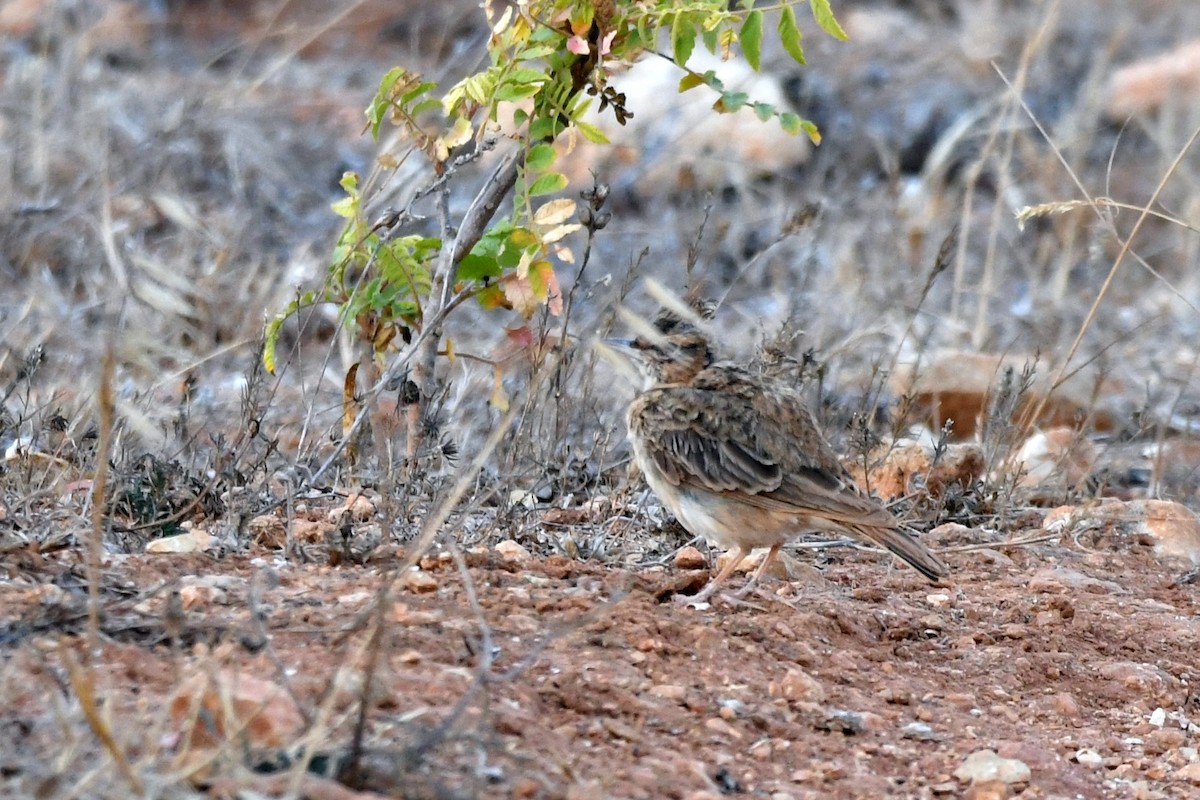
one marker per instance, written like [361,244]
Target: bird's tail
[917,555]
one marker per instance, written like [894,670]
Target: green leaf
[730,102]
[823,14]
[484,259]
[416,91]
[477,87]
[382,101]
[548,184]
[751,38]
[516,91]
[531,53]
[591,133]
[790,122]
[477,267]
[541,157]
[525,75]
[426,105]
[764,111]
[347,207]
[389,80]
[544,128]
[683,38]
[789,34]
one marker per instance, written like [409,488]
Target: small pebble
[690,558]
[920,731]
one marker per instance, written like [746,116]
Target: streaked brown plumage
[739,459]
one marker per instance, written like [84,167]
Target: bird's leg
[726,571]
[758,573]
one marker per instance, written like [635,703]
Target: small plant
[548,63]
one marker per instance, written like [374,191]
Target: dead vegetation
[334,629]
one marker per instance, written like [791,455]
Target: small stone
[622,731]
[920,731]
[802,775]
[511,550]
[525,788]
[1174,527]
[308,531]
[1014,630]
[961,700]
[410,657]
[734,706]
[1158,717]
[356,509]
[800,686]
[197,596]
[420,582]
[690,558]
[669,691]
[1163,740]
[1089,758]
[987,790]
[403,615]
[523,498]
[1056,457]
[851,723]
[985,765]
[1157,772]
[194,541]
[1065,704]
[354,598]
[209,709]
[938,599]
[721,727]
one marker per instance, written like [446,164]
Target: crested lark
[739,460]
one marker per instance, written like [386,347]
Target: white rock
[1089,757]
[985,765]
[511,550]
[193,541]
[921,731]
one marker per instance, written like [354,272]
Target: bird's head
[672,350]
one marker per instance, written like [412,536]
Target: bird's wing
[706,440]
[764,447]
